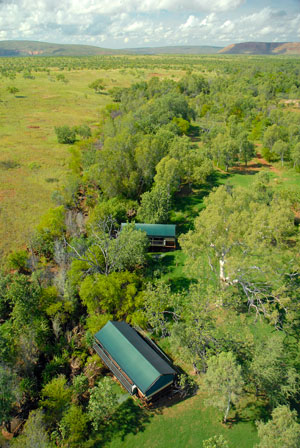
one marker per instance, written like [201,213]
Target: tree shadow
[244,171]
[181,283]
[167,265]
[188,202]
[129,418]
[216,178]
[252,412]
[169,400]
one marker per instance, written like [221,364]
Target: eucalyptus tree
[102,403]
[155,205]
[106,250]
[272,371]
[281,149]
[9,394]
[245,148]
[245,238]
[224,150]
[34,434]
[295,155]
[282,430]
[224,382]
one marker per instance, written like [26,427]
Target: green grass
[171,268]
[29,152]
[187,424]
[280,177]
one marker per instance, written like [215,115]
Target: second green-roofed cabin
[138,364]
[161,236]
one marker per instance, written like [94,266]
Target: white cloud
[190,23]
[188,5]
[157,22]
[266,30]
[228,26]
[134,26]
[266,24]
[194,23]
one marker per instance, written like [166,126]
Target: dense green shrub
[65,134]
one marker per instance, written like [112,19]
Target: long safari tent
[139,365]
[160,235]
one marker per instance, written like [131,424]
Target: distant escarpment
[256,48]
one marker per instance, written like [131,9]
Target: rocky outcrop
[257,48]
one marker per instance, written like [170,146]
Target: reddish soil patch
[7,435]
[257,164]
[291,105]
[6,194]
[33,127]
[295,102]
[157,75]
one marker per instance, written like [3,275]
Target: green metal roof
[163,230]
[141,363]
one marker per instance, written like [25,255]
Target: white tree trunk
[222,269]
[227,409]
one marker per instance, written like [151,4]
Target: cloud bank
[121,23]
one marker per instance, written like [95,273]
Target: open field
[187,424]
[32,163]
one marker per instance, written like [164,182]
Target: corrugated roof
[133,354]
[164,230]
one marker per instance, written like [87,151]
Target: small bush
[34,166]
[61,77]
[269,155]
[9,165]
[13,90]
[51,180]
[18,260]
[84,131]
[65,134]
[28,75]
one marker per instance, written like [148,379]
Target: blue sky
[141,23]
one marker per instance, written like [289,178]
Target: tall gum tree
[248,239]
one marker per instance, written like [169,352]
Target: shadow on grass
[254,411]
[177,279]
[216,179]
[129,418]
[169,267]
[181,283]
[188,202]
[249,171]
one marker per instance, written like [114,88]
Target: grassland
[32,163]
[187,424]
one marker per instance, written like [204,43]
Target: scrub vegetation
[209,143]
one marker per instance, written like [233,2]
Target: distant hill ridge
[186,49]
[11,48]
[33,48]
[263,48]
